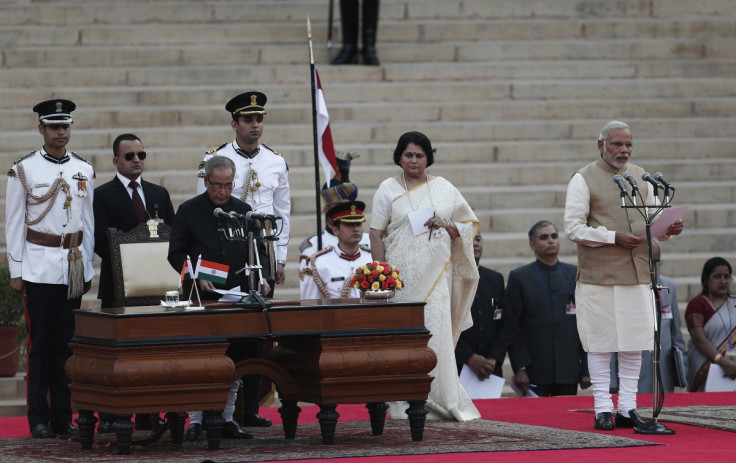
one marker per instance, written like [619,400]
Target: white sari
[438,271]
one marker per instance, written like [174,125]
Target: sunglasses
[129,155]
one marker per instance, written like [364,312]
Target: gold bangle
[717,358]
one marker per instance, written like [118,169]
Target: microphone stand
[653,426]
[254,300]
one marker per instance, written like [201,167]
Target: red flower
[374,272]
[390,280]
[384,285]
[364,284]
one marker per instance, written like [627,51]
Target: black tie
[140,209]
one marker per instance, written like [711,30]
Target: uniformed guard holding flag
[49,231]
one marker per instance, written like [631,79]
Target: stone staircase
[513,95]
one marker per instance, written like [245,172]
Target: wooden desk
[149,360]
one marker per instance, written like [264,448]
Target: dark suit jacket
[487,337]
[113,208]
[545,338]
[197,231]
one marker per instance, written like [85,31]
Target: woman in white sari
[437,267]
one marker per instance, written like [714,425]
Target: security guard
[332,267]
[50,239]
[262,176]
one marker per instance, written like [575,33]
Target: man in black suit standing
[483,346]
[123,203]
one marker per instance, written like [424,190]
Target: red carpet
[689,444]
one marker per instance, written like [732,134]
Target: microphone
[630,178]
[619,180]
[648,178]
[218,212]
[234,215]
[660,178]
[260,216]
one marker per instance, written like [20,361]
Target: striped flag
[187,273]
[211,271]
[325,147]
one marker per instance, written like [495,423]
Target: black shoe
[105,427]
[67,429]
[231,430]
[256,421]
[634,420]
[144,421]
[604,421]
[194,432]
[41,431]
[348,55]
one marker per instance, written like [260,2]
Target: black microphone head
[646,176]
[218,212]
[617,178]
[658,176]
[628,176]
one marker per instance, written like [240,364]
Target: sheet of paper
[716,382]
[666,218]
[490,388]
[418,218]
[230,295]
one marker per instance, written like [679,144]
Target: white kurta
[610,318]
[273,196]
[42,264]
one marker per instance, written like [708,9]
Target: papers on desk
[230,295]
[666,218]
[418,218]
[717,382]
[490,388]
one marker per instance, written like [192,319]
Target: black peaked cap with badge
[247,103]
[56,111]
[347,212]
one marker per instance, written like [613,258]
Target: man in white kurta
[613,296]
[330,269]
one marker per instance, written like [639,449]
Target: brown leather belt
[54,241]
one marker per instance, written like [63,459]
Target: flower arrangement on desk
[376,276]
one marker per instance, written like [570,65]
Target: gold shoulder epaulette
[306,243]
[319,253]
[216,149]
[273,150]
[11,172]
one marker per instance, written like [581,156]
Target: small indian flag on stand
[187,272]
[211,271]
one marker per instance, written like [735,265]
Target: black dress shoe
[105,427]
[604,421]
[256,421]
[634,420]
[194,432]
[41,431]
[231,430]
[66,429]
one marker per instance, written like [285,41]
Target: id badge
[666,312]
[570,308]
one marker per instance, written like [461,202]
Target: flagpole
[314,136]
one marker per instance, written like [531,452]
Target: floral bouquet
[376,276]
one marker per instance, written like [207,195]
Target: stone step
[13,395]
[137,116]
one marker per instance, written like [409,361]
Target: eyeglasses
[130,155]
[620,144]
[219,186]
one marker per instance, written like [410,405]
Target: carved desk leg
[377,412]
[176,426]
[327,422]
[289,412]
[417,415]
[212,422]
[86,422]
[123,427]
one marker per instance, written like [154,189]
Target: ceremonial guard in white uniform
[261,174]
[331,268]
[340,189]
[49,231]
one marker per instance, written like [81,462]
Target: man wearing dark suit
[482,347]
[546,353]
[115,207]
